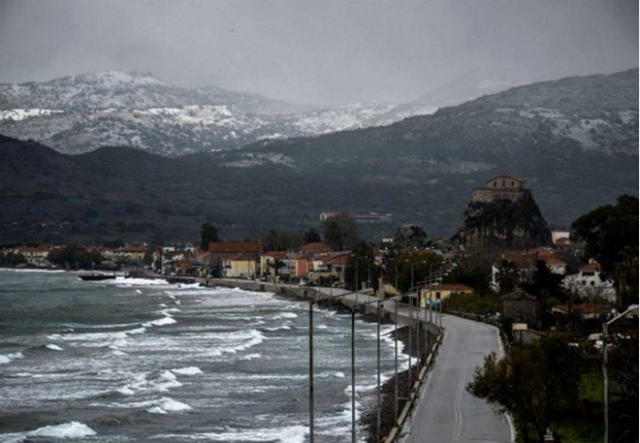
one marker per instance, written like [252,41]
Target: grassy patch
[579,431]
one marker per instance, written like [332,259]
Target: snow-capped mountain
[82,113]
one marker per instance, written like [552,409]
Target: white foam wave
[126,391]
[72,429]
[8,358]
[278,328]
[112,340]
[285,315]
[123,282]
[190,370]
[331,374]
[170,405]
[41,271]
[162,405]
[53,347]
[286,434]
[161,383]
[251,357]
[161,322]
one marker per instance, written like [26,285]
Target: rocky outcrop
[515,224]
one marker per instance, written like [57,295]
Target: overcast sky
[318,51]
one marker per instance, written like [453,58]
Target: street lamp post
[353,375]
[605,327]
[412,290]
[311,375]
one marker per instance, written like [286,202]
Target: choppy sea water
[132,360]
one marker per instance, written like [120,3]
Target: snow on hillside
[84,112]
[21,114]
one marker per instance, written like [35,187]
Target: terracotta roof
[584,309]
[342,259]
[527,258]
[315,247]
[595,266]
[236,247]
[276,254]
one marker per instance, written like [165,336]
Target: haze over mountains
[574,142]
[82,113]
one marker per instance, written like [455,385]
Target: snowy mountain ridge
[81,113]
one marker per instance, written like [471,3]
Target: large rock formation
[503,213]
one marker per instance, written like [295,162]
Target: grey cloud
[318,52]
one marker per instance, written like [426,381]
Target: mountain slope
[81,113]
[421,170]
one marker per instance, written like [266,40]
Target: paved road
[447,412]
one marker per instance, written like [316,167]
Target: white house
[588,282]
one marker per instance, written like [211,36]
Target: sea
[138,360]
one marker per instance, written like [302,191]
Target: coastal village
[518,251]
[503,266]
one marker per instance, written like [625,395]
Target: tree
[532,382]
[74,257]
[404,262]
[208,234]
[546,286]
[12,259]
[476,278]
[361,268]
[410,236]
[340,232]
[507,277]
[610,235]
[623,374]
[312,236]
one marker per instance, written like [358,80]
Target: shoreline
[368,420]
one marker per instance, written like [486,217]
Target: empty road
[447,412]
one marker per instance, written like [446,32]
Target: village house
[36,256]
[588,282]
[522,308]
[275,265]
[525,262]
[330,268]
[239,265]
[178,262]
[235,259]
[434,293]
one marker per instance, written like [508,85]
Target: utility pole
[311,375]
[353,376]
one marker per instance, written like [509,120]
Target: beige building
[507,187]
[442,291]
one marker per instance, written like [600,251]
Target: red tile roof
[595,266]
[315,247]
[276,254]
